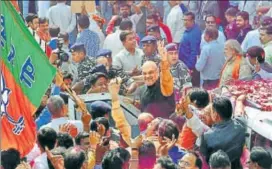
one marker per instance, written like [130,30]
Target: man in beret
[154,30]
[150,49]
[84,63]
[104,57]
[179,70]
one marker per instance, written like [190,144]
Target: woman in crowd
[255,57]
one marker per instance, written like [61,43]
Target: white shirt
[43,7]
[135,18]
[252,39]
[192,6]
[113,43]
[41,162]
[175,23]
[128,62]
[62,16]
[41,42]
[56,123]
[265,75]
[221,39]
[33,154]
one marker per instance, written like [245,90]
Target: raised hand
[101,150]
[94,138]
[137,142]
[183,106]
[114,88]
[167,145]
[56,160]
[58,80]
[69,128]
[162,50]
[135,72]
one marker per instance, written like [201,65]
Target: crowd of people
[166,58]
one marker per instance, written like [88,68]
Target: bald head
[149,64]
[150,73]
[143,120]
[55,105]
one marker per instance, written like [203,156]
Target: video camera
[62,55]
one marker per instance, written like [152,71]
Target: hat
[77,47]
[99,108]
[99,69]
[153,28]
[104,52]
[96,76]
[171,47]
[149,39]
[265,20]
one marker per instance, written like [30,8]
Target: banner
[25,76]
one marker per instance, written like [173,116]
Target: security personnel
[150,49]
[154,30]
[105,53]
[113,72]
[178,69]
[84,63]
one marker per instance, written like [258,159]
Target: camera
[62,55]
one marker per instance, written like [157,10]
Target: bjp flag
[25,76]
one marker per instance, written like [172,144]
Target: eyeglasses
[210,22]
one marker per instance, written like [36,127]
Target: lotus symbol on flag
[5,92]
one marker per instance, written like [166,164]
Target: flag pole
[86,116]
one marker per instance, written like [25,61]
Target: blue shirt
[252,39]
[53,44]
[90,40]
[176,154]
[190,46]
[45,117]
[211,60]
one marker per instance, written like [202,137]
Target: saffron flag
[25,76]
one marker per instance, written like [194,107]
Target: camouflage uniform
[84,67]
[155,58]
[180,74]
